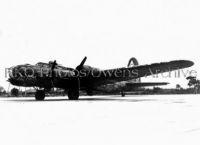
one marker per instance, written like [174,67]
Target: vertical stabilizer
[132,63]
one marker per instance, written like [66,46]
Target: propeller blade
[53,65]
[80,66]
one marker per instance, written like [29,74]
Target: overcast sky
[109,32]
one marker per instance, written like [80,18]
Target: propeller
[75,80]
[53,65]
[80,66]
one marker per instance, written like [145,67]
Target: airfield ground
[101,120]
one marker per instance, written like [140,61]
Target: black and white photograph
[99,72]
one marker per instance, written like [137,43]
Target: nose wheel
[39,95]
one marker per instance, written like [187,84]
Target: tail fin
[132,62]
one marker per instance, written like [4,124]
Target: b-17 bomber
[45,76]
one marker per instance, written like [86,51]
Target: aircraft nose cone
[14,71]
[11,72]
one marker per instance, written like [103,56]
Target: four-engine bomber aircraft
[44,76]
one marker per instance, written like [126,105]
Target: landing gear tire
[40,95]
[73,92]
[123,94]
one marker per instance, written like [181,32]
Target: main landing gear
[39,95]
[73,92]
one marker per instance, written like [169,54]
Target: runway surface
[101,120]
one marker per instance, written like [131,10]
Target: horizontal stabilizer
[147,84]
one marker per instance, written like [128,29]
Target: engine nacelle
[89,70]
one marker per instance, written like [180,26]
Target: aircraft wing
[111,76]
[147,70]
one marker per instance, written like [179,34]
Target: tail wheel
[73,92]
[123,94]
[40,95]
[89,92]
